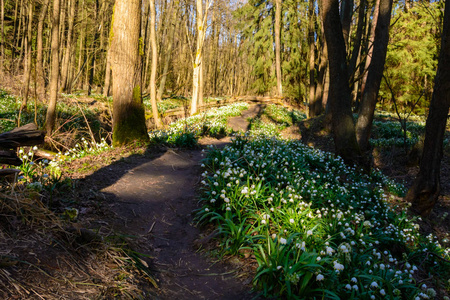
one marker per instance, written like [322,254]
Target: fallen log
[9,157]
[27,135]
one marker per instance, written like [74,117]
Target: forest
[210,149]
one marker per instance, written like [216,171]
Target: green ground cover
[318,229]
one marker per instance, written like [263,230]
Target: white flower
[374,284]
[263,221]
[283,241]
[382,292]
[348,286]
[320,277]
[355,287]
[354,280]
[291,221]
[206,209]
[309,232]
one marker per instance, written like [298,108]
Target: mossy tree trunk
[128,109]
[425,190]
[339,98]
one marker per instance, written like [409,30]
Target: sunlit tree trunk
[312,111]
[94,48]
[2,32]
[54,74]
[40,81]
[278,9]
[375,74]
[128,108]
[65,84]
[28,57]
[201,31]
[425,190]
[154,63]
[171,36]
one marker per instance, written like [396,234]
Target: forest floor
[142,200]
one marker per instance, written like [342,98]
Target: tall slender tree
[425,190]
[54,75]
[154,63]
[128,108]
[277,31]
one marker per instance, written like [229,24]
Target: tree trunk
[370,45]
[65,85]
[425,190]
[339,94]
[40,81]
[346,19]
[154,63]
[2,29]
[167,59]
[357,46]
[375,74]
[94,49]
[319,95]
[54,75]
[107,85]
[28,58]
[198,55]
[128,108]
[313,107]
[277,30]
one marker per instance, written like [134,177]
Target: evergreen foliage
[412,55]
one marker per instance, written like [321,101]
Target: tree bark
[173,22]
[375,74]
[2,29]
[154,64]
[65,84]
[28,58]
[198,54]
[278,9]
[313,107]
[128,108]
[370,45]
[346,19]
[339,94]
[54,75]
[94,49]
[425,190]
[40,81]
[357,46]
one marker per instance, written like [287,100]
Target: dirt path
[154,201]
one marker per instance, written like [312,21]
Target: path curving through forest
[154,200]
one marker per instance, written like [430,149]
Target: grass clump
[317,227]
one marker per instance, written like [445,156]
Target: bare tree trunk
[339,94]
[312,112]
[28,58]
[128,108]
[376,68]
[54,77]
[154,64]
[107,85]
[278,9]
[319,95]
[357,46]
[162,84]
[2,29]
[370,45]
[425,190]
[346,19]
[94,49]
[40,81]
[65,85]
[201,31]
